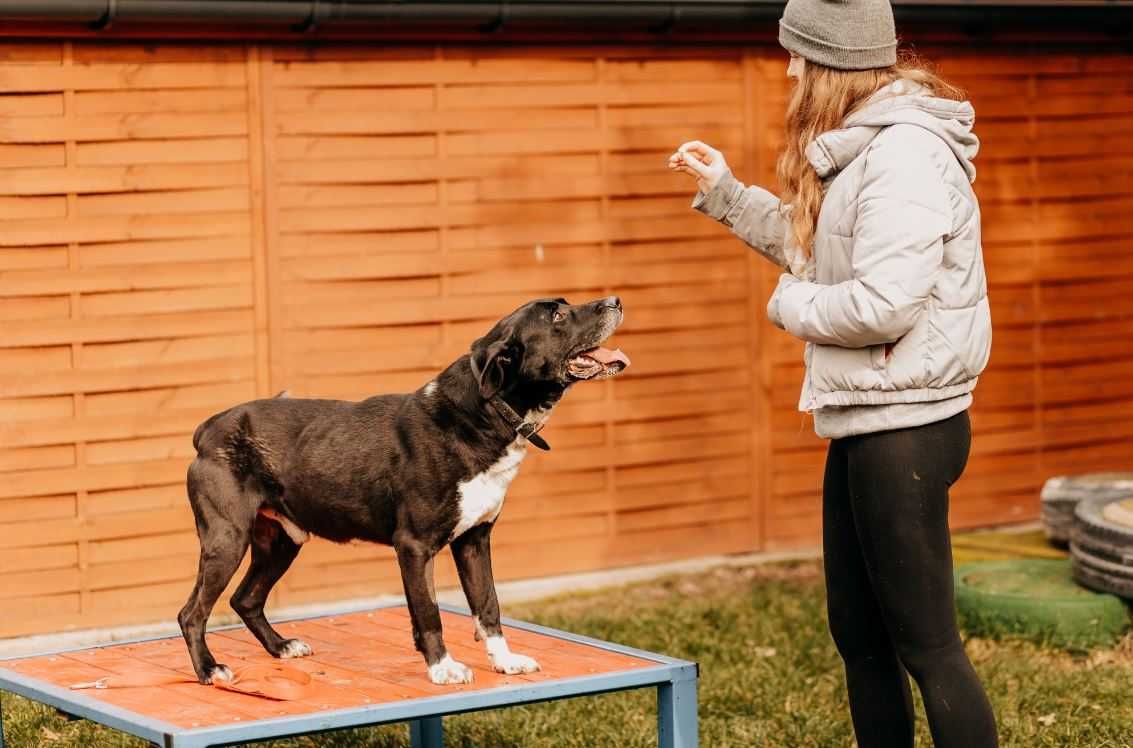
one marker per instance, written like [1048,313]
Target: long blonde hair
[822,99]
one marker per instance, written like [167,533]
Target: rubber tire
[1036,599]
[1060,495]
[1100,576]
[1093,532]
[1074,488]
[1057,524]
[1119,512]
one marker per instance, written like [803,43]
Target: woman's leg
[880,702]
[899,483]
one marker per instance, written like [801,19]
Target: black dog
[415,471]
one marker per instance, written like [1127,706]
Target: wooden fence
[186,226]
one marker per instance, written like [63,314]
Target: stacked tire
[1101,545]
[1061,496]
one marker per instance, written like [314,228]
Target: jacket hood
[901,102]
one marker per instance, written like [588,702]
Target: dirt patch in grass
[714,583]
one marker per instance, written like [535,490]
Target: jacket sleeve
[752,213]
[897,248]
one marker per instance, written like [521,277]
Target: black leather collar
[528,431]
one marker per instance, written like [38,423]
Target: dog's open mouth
[597,363]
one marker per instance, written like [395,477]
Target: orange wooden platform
[364,670]
[359,659]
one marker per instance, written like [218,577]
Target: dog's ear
[497,363]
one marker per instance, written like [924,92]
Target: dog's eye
[558,317]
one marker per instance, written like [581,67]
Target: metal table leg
[676,712]
[428,732]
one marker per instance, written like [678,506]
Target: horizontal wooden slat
[156,252]
[404,73]
[212,150]
[106,179]
[16,156]
[126,328]
[19,78]
[120,228]
[47,482]
[39,283]
[106,127]
[135,101]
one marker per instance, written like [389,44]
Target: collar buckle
[528,431]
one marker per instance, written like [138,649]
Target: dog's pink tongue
[606,357]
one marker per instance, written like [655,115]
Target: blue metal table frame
[675,681]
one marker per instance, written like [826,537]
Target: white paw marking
[514,664]
[449,671]
[220,672]
[507,662]
[295,648]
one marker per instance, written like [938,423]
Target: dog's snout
[611,302]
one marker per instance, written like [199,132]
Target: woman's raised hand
[701,161]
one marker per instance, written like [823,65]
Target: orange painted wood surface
[187,225]
[359,659]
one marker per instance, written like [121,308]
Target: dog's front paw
[510,663]
[449,671]
[295,648]
[218,672]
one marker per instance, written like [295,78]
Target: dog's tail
[244,424]
[204,427]
[249,456]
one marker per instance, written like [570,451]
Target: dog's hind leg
[273,550]
[224,522]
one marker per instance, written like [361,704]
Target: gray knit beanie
[843,34]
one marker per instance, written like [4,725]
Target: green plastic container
[1036,599]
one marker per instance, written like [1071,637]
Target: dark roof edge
[634,16]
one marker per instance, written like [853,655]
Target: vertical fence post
[1,721]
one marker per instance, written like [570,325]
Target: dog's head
[549,344]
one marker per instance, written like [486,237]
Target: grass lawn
[769,677]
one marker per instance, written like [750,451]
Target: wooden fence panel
[417,196]
[185,226]
[126,297]
[1084,281]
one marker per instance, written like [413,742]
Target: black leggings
[889,585]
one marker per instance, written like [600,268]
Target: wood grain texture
[127,287]
[359,659]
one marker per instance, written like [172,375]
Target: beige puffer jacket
[893,305]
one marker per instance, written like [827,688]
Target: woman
[879,231]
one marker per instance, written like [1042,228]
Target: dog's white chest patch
[482,497]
